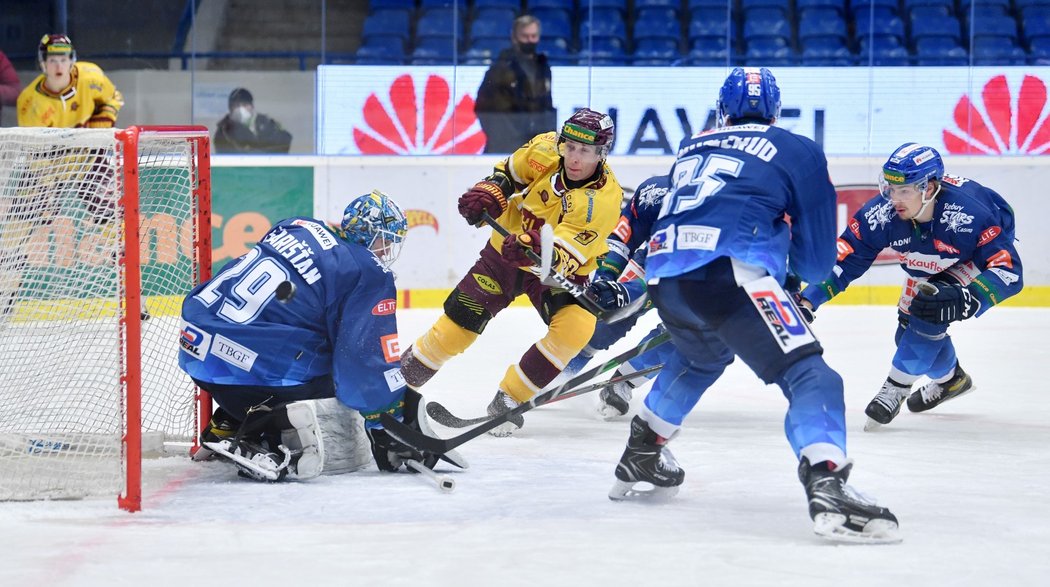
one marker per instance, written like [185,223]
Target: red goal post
[102,233]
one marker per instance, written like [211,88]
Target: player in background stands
[307,314]
[951,233]
[720,250]
[68,94]
[559,179]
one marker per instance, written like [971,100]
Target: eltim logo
[1003,120]
[406,123]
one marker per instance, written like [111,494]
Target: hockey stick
[437,446]
[443,482]
[442,416]
[563,282]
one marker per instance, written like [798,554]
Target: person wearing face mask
[243,130]
[514,101]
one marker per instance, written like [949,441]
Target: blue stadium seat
[882,55]
[946,26]
[669,16]
[929,13]
[995,26]
[998,6]
[497,13]
[997,51]
[491,44]
[406,5]
[1035,12]
[440,22]
[880,27]
[602,8]
[838,6]
[656,45]
[561,29]
[704,27]
[552,14]
[513,5]
[385,45]
[1039,51]
[877,8]
[602,57]
[532,5]
[478,56]
[607,26]
[604,45]
[707,56]
[824,24]
[491,28]
[654,58]
[656,28]
[448,4]
[695,4]
[708,49]
[942,6]
[638,4]
[758,28]
[1035,28]
[940,51]
[826,51]
[784,6]
[387,23]
[379,55]
[762,13]
[558,54]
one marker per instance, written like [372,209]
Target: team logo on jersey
[623,229]
[391,348]
[385,307]
[989,235]
[780,315]
[394,379]
[844,248]
[944,247]
[1002,120]
[854,227]
[956,220]
[1007,277]
[321,234]
[403,122]
[1001,259]
[544,196]
[487,283]
[585,237]
[879,215]
[194,341]
[538,166]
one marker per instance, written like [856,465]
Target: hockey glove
[609,295]
[793,287]
[485,196]
[515,247]
[389,452]
[942,303]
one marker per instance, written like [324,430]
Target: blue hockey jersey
[339,322]
[970,238]
[730,191]
[634,228]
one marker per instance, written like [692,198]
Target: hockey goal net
[102,232]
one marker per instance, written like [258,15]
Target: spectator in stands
[514,101]
[9,84]
[243,130]
[68,94]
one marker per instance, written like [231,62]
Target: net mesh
[62,303]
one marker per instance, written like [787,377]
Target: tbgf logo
[1001,121]
[416,125]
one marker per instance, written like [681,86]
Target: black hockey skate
[839,512]
[886,404]
[615,400]
[646,460]
[504,403]
[933,394]
[253,461]
[222,426]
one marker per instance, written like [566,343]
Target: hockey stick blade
[563,282]
[443,416]
[438,446]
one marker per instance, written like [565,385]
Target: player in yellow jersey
[68,94]
[558,179]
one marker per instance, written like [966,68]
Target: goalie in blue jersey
[297,343]
[955,239]
[720,251]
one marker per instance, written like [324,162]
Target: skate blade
[267,474]
[831,527]
[629,491]
[872,425]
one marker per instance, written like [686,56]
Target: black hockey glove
[793,287]
[389,452]
[609,295]
[942,303]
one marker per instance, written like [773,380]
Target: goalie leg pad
[305,438]
[343,435]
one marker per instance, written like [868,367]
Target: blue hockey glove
[942,303]
[609,295]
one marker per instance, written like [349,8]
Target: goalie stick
[442,416]
[563,282]
[437,446]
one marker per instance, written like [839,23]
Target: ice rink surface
[969,482]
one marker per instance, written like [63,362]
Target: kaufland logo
[1003,120]
[407,122]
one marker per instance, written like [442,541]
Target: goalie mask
[376,222]
[55,45]
[749,93]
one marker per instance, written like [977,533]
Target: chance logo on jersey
[780,315]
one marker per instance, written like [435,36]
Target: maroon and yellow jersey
[91,100]
[581,217]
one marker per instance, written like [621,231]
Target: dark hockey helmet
[910,164]
[377,222]
[749,93]
[590,128]
[55,45]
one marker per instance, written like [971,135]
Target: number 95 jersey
[244,328]
[730,191]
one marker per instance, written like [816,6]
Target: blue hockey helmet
[375,221]
[911,163]
[749,93]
